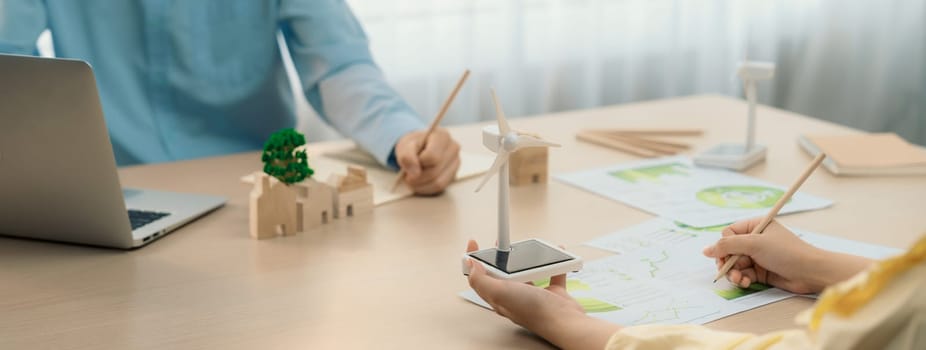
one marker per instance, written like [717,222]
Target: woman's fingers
[472,246]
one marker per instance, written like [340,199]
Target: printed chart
[660,276]
[699,197]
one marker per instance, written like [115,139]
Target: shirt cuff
[392,162]
[394,128]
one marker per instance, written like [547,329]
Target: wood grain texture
[389,279]
[529,166]
[619,145]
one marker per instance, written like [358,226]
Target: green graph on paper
[571,284]
[654,263]
[590,305]
[671,312]
[651,173]
[740,197]
[620,275]
[717,228]
[668,235]
[736,292]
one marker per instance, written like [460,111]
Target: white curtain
[858,63]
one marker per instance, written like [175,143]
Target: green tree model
[282,160]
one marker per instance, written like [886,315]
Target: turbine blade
[503,127]
[500,160]
[525,141]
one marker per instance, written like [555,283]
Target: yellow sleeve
[686,337]
[881,308]
[894,318]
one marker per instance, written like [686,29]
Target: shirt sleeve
[893,317]
[689,337]
[342,83]
[21,23]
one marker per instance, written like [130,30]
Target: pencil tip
[715,280]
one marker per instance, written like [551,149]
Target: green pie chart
[717,228]
[651,174]
[571,284]
[592,305]
[740,197]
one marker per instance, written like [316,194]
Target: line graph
[654,263]
[676,311]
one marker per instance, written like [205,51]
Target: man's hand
[435,168]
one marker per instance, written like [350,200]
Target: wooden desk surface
[391,279]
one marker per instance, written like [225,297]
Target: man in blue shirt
[187,79]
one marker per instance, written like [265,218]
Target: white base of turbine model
[734,155]
[526,260]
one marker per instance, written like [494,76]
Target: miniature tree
[281,158]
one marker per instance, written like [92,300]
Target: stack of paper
[867,154]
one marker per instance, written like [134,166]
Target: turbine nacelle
[502,140]
[754,70]
[493,140]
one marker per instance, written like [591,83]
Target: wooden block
[335,180]
[356,178]
[528,166]
[354,202]
[272,208]
[316,204]
[352,194]
[356,172]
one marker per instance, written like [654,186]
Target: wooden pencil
[654,145]
[605,141]
[772,213]
[650,141]
[434,124]
[653,132]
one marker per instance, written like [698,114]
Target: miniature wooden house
[277,209]
[528,166]
[353,194]
[272,208]
[315,204]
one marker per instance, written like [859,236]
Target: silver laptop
[58,177]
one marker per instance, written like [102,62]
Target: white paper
[674,188]
[842,245]
[661,277]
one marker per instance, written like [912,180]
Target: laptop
[58,178]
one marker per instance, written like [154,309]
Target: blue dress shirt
[194,78]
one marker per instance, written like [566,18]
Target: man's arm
[21,23]
[341,82]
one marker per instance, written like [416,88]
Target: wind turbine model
[526,260]
[739,156]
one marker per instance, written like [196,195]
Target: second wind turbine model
[525,260]
[737,156]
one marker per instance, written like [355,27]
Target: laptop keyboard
[140,218]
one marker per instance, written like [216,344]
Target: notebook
[867,154]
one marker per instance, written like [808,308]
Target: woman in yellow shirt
[882,307]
